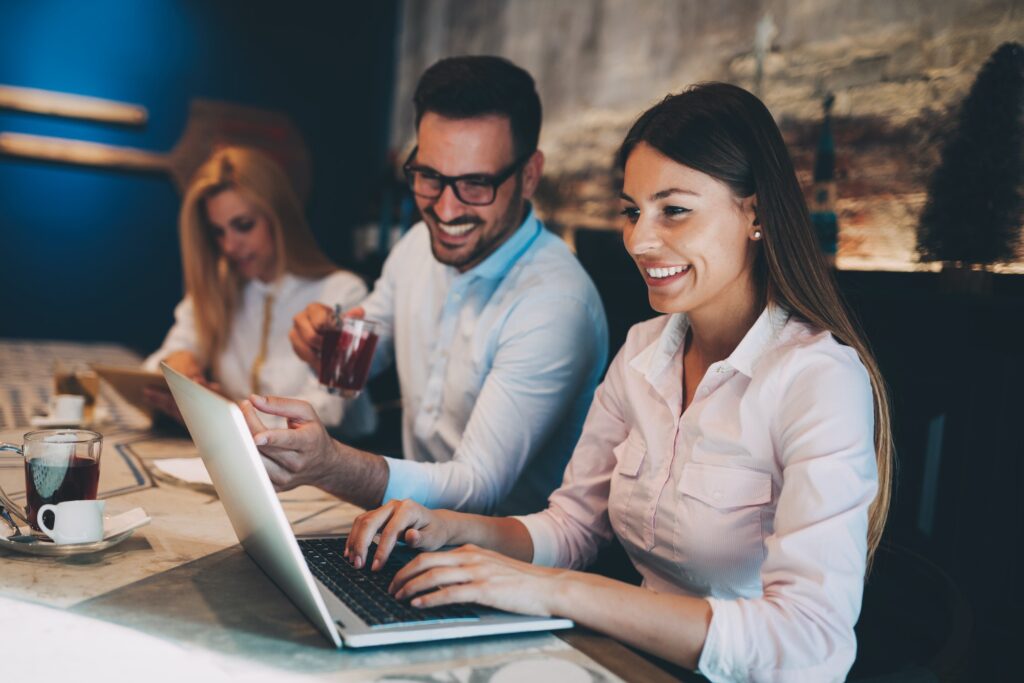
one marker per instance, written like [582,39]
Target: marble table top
[181,600]
[184,580]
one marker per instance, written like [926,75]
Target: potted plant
[972,218]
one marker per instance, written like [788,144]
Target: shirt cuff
[545,541]
[406,479]
[716,659]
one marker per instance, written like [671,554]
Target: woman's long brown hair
[209,279]
[726,132]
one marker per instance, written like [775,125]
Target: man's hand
[307,326]
[301,454]
[305,454]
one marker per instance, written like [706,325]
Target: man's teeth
[666,272]
[456,230]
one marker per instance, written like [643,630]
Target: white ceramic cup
[67,407]
[75,521]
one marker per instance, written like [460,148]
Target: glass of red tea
[60,465]
[346,352]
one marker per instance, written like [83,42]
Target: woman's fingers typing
[396,520]
[364,528]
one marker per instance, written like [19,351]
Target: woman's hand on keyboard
[471,574]
[396,520]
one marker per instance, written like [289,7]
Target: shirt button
[717,495]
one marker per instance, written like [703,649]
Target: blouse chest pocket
[725,487]
[629,455]
[720,523]
[627,496]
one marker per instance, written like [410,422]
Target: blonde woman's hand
[186,363]
[159,397]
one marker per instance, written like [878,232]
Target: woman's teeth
[456,230]
[665,272]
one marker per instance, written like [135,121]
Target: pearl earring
[757,234]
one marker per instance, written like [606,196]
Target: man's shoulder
[550,269]
[414,241]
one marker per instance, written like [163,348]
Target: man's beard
[485,245]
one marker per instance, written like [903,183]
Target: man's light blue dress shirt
[497,367]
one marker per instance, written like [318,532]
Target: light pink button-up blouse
[756,497]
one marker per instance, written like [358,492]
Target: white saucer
[100,414]
[117,528]
[33,545]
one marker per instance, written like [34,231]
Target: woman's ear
[749,207]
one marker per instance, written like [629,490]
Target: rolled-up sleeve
[801,628]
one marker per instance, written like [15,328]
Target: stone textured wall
[898,71]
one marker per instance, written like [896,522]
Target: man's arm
[305,454]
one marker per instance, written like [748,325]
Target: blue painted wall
[92,254]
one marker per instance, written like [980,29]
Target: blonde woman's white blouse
[282,373]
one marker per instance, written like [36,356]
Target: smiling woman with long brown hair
[739,446]
[251,264]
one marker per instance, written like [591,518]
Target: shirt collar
[758,339]
[497,265]
[653,360]
[656,357]
[281,284]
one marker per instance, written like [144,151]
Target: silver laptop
[350,607]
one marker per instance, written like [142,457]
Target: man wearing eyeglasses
[498,334]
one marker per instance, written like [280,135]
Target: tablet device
[130,382]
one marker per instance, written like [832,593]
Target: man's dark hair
[471,86]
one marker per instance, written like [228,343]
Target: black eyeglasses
[475,189]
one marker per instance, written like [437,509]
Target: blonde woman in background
[251,264]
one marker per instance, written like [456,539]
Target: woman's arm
[181,345]
[492,568]
[672,627]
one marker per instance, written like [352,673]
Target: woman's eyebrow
[661,194]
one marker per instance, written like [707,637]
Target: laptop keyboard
[366,592]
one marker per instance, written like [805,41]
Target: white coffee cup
[74,521]
[67,407]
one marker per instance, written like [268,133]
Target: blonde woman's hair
[726,132]
[209,279]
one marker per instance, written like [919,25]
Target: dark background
[92,254]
